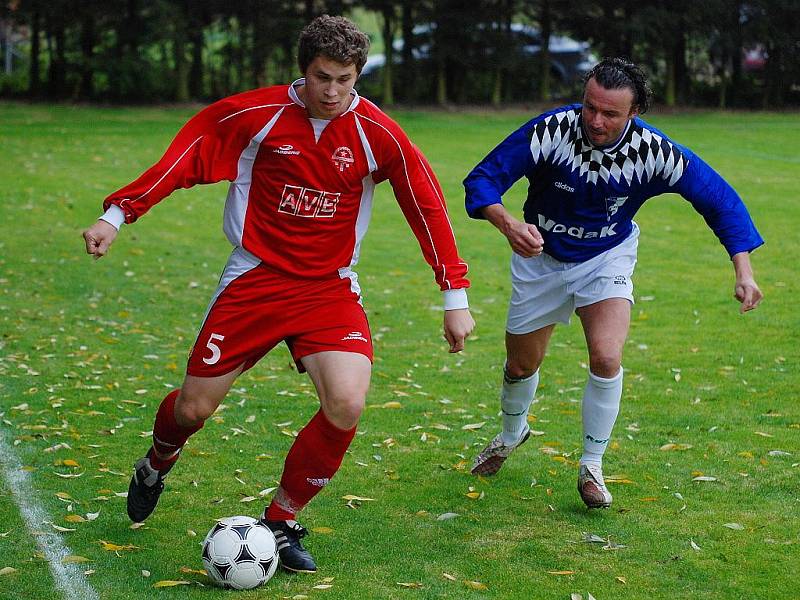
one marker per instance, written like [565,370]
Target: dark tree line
[726,53]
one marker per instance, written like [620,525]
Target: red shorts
[255,310]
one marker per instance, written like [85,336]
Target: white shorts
[545,291]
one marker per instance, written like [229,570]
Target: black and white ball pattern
[240,553]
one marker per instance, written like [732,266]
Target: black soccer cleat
[293,556]
[146,486]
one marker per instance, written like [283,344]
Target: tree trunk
[181,64]
[56,73]
[88,39]
[546,30]
[387,94]
[34,78]
[669,78]
[196,70]
[407,76]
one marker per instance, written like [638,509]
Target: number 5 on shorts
[215,351]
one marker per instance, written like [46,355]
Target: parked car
[569,61]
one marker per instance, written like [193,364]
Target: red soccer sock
[168,436]
[311,463]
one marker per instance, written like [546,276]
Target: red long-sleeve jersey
[301,204]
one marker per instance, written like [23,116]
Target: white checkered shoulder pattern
[642,153]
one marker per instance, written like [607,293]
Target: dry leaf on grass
[170,583]
[446,516]
[111,547]
[734,526]
[411,585]
[476,585]
[7,570]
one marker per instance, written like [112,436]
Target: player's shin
[168,437]
[312,461]
[600,408]
[515,399]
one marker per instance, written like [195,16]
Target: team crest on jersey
[342,157]
[613,203]
[305,202]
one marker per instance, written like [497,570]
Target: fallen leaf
[7,570]
[693,545]
[69,462]
[145,573]
[446,516]
[476,585]
[671,446]
[72,558]
[393,404]
[169,583]
[195,571]
[704,478]
[411,585]
[61,529]
[323,586]
[74,519]
[735,526]
[448,576]
[350,497]
[473,426]
[622,580]
[778,453]
[111,547]
[561,572]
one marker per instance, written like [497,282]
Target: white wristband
[114,216]
[455,299]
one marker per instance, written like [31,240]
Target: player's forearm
[498,216]
[742,266]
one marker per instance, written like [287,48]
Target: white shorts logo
[318,482]
[354,335]
[305,202]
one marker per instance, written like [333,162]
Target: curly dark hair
[617,73]
[337,38]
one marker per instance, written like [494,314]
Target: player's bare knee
[521,370]
[192,409]
[344,413]
[605,366]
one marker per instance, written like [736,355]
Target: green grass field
[88,350]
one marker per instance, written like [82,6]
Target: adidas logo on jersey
[564,186]
[574,231]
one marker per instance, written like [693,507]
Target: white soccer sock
[599,411]
[515,399]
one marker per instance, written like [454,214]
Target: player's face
[606,112]
[328,85]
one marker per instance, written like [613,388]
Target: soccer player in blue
[590,167]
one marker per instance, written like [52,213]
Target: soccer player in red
[303,160]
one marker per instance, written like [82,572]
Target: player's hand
[99,237]
[747,292]
[524,238]
[458,324]
[745,289]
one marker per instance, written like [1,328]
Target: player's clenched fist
[99,237]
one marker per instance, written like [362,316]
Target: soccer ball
[240,553]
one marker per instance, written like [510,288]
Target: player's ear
[634,111]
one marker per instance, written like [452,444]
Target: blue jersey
[583,198]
